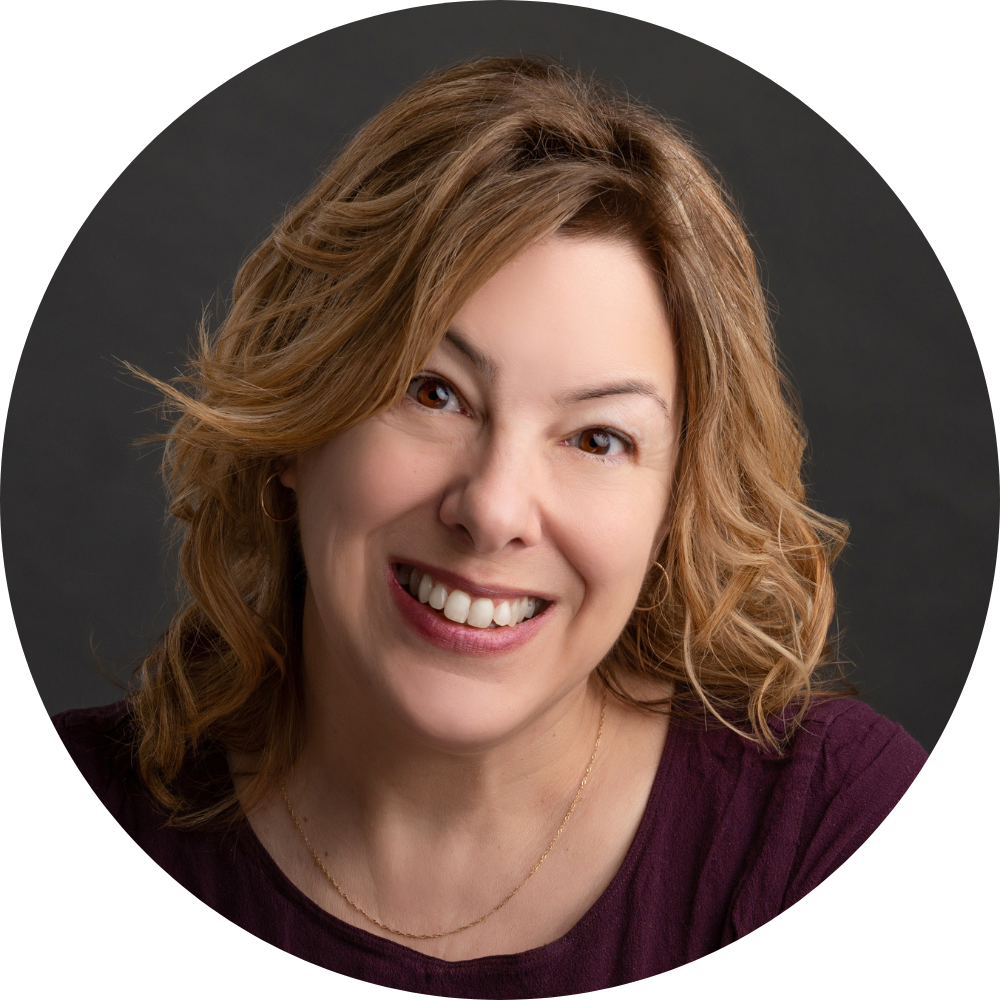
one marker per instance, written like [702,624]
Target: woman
[499,673]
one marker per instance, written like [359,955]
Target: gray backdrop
[894,397]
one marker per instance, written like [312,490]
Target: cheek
[365,479]
[607,534]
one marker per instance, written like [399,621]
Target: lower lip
[445,634]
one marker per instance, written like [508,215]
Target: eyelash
[418,381]
[628,445]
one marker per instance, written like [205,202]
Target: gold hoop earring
[653,607]
[263,505]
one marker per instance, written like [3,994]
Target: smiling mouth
[463,608]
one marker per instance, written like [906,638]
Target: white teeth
[460,607]
[456,608]
[480,613]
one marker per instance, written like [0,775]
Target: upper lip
[453,580]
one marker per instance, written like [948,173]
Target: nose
[494,503]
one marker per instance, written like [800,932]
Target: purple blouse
[730,837]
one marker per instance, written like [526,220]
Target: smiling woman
[523,476]
[495,539]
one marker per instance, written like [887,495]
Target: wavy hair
[334,313]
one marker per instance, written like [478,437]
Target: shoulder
[776,825]
[842,739]
[103,744]
[100,742]
[82,726]
[851,766]
[837,740]
[844,770]
[858,765]
[841,771]
[214,862]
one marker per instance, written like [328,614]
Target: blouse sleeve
[847,770]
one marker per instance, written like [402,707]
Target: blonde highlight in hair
[335,312]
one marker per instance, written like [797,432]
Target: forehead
[570,308]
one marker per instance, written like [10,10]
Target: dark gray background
[894,397]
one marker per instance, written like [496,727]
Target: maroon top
[730,837]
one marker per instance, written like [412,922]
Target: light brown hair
[335,312]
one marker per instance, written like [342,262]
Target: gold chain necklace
[510,895]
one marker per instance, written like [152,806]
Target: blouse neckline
[398,952]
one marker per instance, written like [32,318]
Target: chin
[462,713]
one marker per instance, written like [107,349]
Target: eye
[434,393]
[601,442]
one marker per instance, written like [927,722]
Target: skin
[433,777]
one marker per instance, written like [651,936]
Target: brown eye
[433,393]
[597,441]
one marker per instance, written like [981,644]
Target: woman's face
[526,473]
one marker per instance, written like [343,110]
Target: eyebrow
[484,364]
[626,387]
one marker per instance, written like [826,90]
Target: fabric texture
[730,837]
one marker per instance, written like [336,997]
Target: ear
[288,476]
